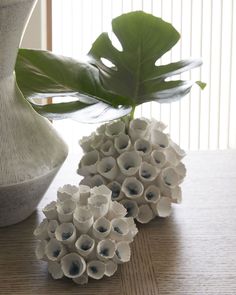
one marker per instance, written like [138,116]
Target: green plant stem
[132,112]
[126,119]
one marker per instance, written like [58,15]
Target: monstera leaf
[144,39]
[107,92]
[41,74]
[94,113]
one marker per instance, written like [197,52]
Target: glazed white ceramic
[31,152]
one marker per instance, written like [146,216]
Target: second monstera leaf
[144,39]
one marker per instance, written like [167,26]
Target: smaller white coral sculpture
[85,234]
[138,162]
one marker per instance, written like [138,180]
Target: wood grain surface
[192,252]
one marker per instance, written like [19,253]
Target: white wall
[36,32]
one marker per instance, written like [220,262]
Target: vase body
[31,151]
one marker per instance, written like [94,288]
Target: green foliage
[132,79]
[144,39]
[78,111]
[41,74]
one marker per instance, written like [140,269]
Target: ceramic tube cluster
[85,234]
[139,162]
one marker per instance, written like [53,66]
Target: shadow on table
[154,250]
[165,243]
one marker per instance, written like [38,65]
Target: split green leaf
[113,81]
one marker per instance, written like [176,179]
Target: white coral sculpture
[138,162]
[85,234]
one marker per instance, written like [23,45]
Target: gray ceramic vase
[31,152]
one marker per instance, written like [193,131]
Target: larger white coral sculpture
[138,162]
[85,234]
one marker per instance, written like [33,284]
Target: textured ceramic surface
[84,234]
[30,149]
[138,162]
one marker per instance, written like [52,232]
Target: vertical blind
[201,120]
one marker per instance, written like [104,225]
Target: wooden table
[192,252]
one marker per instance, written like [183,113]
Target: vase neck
[13,17]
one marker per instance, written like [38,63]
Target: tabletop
[191,252]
